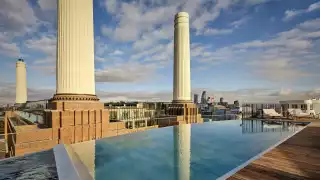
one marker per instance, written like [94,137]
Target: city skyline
[257,57]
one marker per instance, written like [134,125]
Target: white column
[308,102]
[182,151]
[181,81]
[21,82]
[75,47]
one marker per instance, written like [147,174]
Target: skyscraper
[196,98]
[204,97]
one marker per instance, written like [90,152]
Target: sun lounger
[298,113]
[271,113]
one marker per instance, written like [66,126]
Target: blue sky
[240,49]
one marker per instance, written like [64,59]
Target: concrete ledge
[65,167]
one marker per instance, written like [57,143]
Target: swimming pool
[40,165]
[197,151]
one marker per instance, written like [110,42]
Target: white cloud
[135,19]
[17,15]
[284,58]
[7,48]
[150,38]
[48,4]
[200,22]
[45,44]
[100,46]
[116,53]
[314,7]
[215,32]
[125,72]
[111,6]
[240,22]
[106,31]
[312,24]
[154,50]
[43,68]
[289,14]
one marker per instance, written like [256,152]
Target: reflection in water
[260,126]
[165,153]
[182,135]
[221,117]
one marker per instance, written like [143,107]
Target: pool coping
[66,170]
[243,165]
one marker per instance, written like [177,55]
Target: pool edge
[238,168]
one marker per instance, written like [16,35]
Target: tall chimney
[181,81]
[21,82]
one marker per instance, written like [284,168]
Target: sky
[249,50]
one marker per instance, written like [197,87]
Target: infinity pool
[184,152]
[197,151]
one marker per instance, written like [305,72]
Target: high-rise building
[204,97]
[221,100]
[196,98]
[21,82]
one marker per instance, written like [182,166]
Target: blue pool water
[36,166]
[208,151]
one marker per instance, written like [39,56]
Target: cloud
[100,46]
[106,31]
[48,4]
[312,24]
[45,44]
[7,94]
[150,38]
[135,19]
[286,57]
[240,22]
[8,49]
[125,73]
[215,32]
[111,6]
[17,15]
[313,7]
[290,14]
[116,53]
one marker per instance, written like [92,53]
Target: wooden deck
[296,158]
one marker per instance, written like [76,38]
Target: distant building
[236,103]
[221,100]
[204,97]
[196,98]
[210,99]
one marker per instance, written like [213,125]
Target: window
[303,107]
[294,106]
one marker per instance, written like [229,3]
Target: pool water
[34,166]
[197,151]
